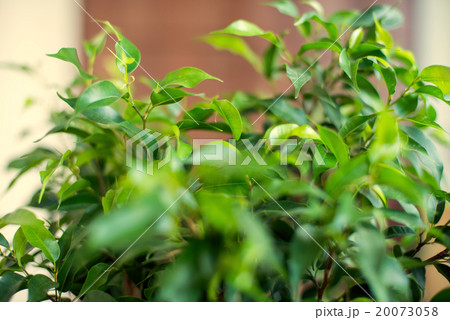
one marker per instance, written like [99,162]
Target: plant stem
[438,256]
[406,91]
[326,275]
[127,82]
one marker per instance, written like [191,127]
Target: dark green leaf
[96,278]
[442,296]
[440,207]
[444,270]
[398,231]
[38,287]
[10,283]
[3,241]
[98,296]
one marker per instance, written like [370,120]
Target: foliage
[347,228]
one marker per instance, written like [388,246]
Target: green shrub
[338,212]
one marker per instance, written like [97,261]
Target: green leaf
[99,94]
[20,217]
[96,45]
[38,287]
[244,28]
[410,219]
[95,278]
[419,137]
[389,17]
[108,200]
[285,131]
[302,252]
[299,77]
[187,77]
[335,143]
[70,55]
[348,175]
[386,175]
[19,245]
[38,236]
[321,45]
[343,17]
[432,91]
[382,35]
[407,105]
[199,114]
[270,61]
[354,123]
[286,7]
[440,208]
[355,38]
[4,242]
[438,75]
[386,145]
[285,111]
[389,76]
[78,185]
[366,49]
[10,283]
[128,54]
[345,63]
[398,231]
[236,46]
[52,165]
[168,96]
[98,296]
[188,124]
[64,129]
[444,270]
[330,27]
[230,114]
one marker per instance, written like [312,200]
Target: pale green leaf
[70,55]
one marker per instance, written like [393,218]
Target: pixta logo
[142,149]
[145,152]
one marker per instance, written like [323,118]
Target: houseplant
[333,201]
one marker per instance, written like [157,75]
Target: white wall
[28,30]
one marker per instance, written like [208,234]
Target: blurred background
[168,35]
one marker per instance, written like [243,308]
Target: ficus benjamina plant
[349,223]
